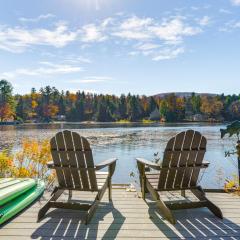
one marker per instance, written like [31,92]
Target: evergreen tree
[133,110]
[123,107]
[152,105]
[163,108]
[196,103]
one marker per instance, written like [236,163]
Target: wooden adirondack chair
[75,170]
[182,161]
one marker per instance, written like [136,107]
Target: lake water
[128,141]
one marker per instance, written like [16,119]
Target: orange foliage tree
[6,164]
[211,106]
[30,161]
[6,112]
[50,110]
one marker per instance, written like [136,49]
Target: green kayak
[13,188]
[20,201]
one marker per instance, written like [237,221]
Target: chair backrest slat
[81,160]
[57,160]
[86,160]
[185,149]
[166,163]
[69,149]
[175,159]
[195,139]
[63,156]
[199,159]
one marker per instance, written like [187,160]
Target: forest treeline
[49,104]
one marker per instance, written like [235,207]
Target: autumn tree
[211,106]
[7,102]
[48,102]
[234,110]
[6,112]
[49,112]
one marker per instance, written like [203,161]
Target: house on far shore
[60,118]
[155,115]
[199,118]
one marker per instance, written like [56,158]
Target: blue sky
[105,46]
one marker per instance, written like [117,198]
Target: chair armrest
[205,163]
[50,165]
[106,163]
[148,163]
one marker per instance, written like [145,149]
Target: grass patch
[147,121]
[123,121]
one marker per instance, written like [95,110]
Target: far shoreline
[92,124]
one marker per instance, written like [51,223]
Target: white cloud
[141,34]
[133,53]
[174,30]
[107,21]
[93,79]
[222,10]
[77,60]
[75,90]
[92,33]
[147,46]
[48,69]
[230,26]
[204,21]
[18,39]
[158,39]
[40,17]
[127,34]
[166,54]
[134,28]
[236,2]
[236,25]
[170,31]
[136,23]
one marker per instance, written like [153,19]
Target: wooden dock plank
[127,217]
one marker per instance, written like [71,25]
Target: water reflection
[128,141]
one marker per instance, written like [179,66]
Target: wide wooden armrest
[205,163]
[50,165]
[148,163]
[105,163]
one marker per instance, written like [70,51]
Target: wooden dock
[127,217]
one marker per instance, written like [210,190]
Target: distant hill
[183,94]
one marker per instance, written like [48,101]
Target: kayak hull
[14,187]
[13,207]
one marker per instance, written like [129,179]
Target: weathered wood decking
[127,217]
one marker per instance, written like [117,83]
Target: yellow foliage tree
[6,164]
[6,112]
[211,106]
[30,161]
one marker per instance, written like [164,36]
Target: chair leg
[200,194]
[110,189]
[98,198]
[69,195]
[91,211]
[55,195]
[142,179]
[167,213]
[183,193]
[143,188]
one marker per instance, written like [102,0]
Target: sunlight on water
[131,141]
